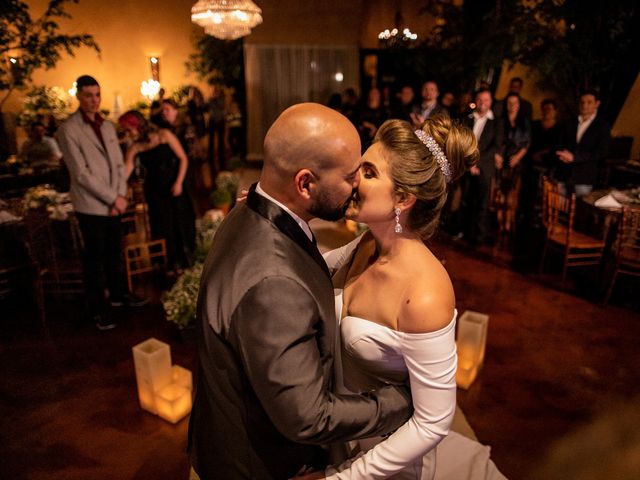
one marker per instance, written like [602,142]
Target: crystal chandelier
[396,37]
[226,19]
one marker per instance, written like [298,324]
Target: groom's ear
[304,182]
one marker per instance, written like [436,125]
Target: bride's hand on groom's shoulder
[242,196]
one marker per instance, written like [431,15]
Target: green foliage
[33,43]
[218,61]
[228,181]
[221,196]
[180,301]
[569,44]
[42,102]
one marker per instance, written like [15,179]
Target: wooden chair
[505,204]
[628,247]
[578,249]
[53,274]
[142,254]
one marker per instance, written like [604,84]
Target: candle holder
[163,389]
[152,361]
[182,377]
[471,344]
[173,402]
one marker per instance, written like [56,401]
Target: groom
[267,329]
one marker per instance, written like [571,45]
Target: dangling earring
[398,228]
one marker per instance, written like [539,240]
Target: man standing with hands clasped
[98,191]
[267,339]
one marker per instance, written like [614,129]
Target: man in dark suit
[265,400]
[584,144]
[404,104]
[429,105]
[477,182]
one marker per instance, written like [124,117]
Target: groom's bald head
[308,135]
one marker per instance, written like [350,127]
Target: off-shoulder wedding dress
[373,355]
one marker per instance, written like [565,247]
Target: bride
[394,299]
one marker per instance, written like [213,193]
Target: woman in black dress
[165,164]
[517,138]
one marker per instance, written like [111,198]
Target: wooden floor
[555,361]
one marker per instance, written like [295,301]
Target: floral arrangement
[228,181]
[42,102]
[205,230]
[180,302]
[43,196]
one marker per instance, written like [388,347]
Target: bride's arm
[339,256]
[431,361]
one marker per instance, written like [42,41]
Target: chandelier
[396,37]
[226,19]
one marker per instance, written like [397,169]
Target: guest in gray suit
[265,400]
[98,189]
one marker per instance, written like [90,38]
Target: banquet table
[603,220]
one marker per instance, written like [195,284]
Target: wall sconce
[471,343]
[73,90]
[163,389]
[154,63]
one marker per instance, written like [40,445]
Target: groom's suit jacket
[266,341]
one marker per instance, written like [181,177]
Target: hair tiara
[437,152]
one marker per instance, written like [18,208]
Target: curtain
[278,76]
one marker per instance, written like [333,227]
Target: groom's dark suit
[267,335]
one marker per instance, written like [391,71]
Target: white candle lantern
[471,343]
[173,402]
[182,377]
[152,360]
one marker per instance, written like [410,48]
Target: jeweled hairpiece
[437,152]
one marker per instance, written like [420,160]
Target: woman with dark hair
[165,162]
[517,137]
[394,300]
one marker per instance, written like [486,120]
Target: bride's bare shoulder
[428,301]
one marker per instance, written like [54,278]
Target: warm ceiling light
[226,19]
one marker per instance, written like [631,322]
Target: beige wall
[529,89]
[128,32]
[627,123]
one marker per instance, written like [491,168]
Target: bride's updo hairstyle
[415,169]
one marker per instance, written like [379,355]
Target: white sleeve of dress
[431,362]
[337,257]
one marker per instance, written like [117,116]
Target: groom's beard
[325,209]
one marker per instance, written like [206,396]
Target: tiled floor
[68,402]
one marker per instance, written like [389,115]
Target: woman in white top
[394,299]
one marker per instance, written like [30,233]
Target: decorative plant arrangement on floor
[180,301]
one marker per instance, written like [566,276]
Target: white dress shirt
[479,122]
[583,124]
[303,225]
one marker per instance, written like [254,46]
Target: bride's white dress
[373,355]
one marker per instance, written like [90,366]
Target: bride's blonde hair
[415,170]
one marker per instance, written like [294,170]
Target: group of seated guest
[40,150]
[515,152]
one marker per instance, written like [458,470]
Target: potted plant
[221,199]
[180,301]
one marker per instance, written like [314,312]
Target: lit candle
[471,343]
[173,402]
[152,360]
[182,377]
